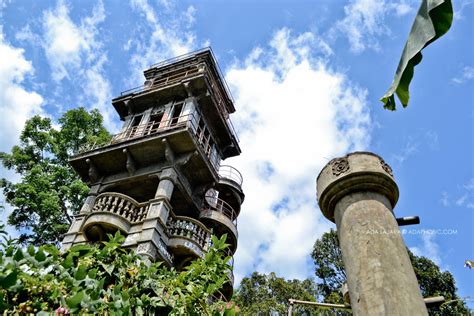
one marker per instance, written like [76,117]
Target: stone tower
[160,181]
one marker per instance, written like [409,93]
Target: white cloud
[402,8]
[4,3]
[460,6]
[25,34]
[364,22]
[127,45]
[421,139]
[410,148]
[293,113]
[189,15]
[461,200]
[466,74]
[445,199]
[465,196]
[64,41]
[168,39]
[470,185]
[74,53]
[467,199]
[428,249]
[17,103]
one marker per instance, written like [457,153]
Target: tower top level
[187,90]
[193,74]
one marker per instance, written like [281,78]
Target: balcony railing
[122,205]
[131,210]
[192,54]
[167,78]
[187,72]
[186,227]
[230,173]
[153,128]
[217,205]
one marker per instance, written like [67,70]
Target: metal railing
[230,173]
[192,54]
[172,60]
[189,228]
[122,205]
[217,205]
[153,128]
[185,73]
[180,74]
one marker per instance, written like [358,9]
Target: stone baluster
[120,206]
[114,208]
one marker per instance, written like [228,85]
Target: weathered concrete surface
[358,193]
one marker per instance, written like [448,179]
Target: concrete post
[165,187]
[358,193]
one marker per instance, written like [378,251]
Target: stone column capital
[355,172]
[169,174]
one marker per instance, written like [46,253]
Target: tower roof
[179,76]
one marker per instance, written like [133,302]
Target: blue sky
[306,77]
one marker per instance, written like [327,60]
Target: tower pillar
[358,193]
[74,234]
[153,238]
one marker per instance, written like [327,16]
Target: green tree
[330,270]
[434,282]
[49,191]
[108,280]
[262,294]
[329,266]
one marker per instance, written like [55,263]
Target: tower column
[74,234]
[165,188]
[153,238]
[358,193]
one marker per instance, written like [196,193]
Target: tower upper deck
[195,74]
[185,102]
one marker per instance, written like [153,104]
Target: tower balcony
[229,187]
[111,212]
[187,236]
[228,287]
[221,216]
[143,145]
[232,175]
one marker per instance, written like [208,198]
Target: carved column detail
[339,166]
[386,167]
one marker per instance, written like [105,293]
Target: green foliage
[330,269]
[263,294]
[329,266]
[433,282]
[49,192]
[432,21]
[108,280]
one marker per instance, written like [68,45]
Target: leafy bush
[108,280]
